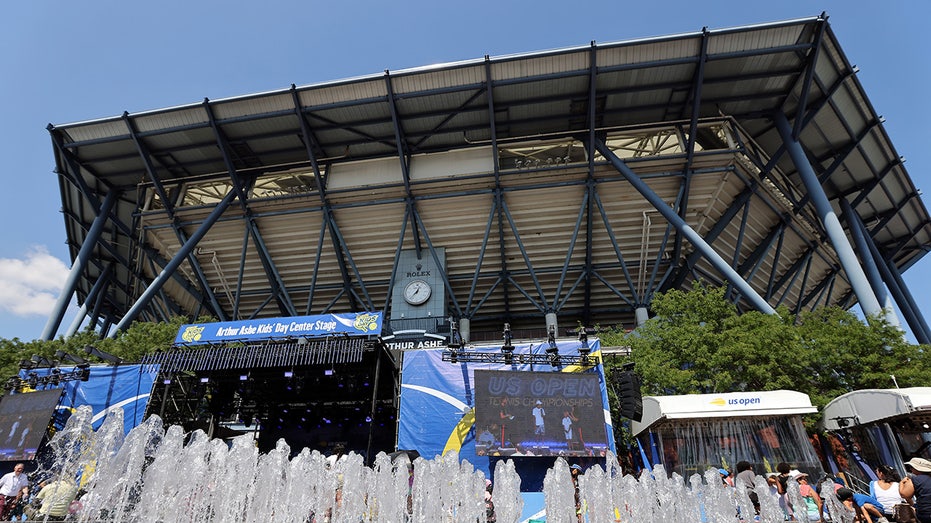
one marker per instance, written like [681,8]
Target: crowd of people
[51,500]
[890,497]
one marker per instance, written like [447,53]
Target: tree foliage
[698,343]
[139,339]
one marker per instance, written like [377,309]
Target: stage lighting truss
[456,353]
[470,356]
[54,378]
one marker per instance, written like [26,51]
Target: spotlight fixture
[64,356]
[507,349]
[552,350]
[97,353]
[455,341]
[41,361]
[584,350]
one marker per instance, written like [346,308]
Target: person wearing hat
[726,477]
[813,505]
[539,427]
[916,487]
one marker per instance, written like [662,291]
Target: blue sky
[63,62]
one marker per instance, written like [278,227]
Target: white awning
[732,404]
[861,407]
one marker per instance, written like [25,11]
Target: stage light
[455,341]
[13,383]
[41,361]
[204,380]
[243,377]
[584,350]
[64,356]
[32,380]
[507,349]
[97,353]
[289,374]
[552,350]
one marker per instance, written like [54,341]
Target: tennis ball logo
[366,322]
[192,333]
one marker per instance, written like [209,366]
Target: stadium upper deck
[561,186]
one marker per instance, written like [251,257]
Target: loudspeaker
[628,393]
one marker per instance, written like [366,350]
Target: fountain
[164,475]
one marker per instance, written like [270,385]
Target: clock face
[417,292]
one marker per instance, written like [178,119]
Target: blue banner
[352,323]
[438,401]
[109,387]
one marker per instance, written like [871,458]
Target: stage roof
[362,153]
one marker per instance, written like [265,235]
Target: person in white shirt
[886,488]
[14,489]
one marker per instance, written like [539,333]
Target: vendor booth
[690,433]
[874,427]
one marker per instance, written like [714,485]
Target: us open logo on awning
[738,402]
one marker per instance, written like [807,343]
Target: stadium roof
[432,156]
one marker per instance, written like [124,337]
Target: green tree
[139,339]
[698,343]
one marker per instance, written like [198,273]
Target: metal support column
[859,234]
[80,261]
[684,229]
[902,296]
[175,262]
[90,298]
[848,259]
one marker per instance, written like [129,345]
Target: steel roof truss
[205,287]
[617,250]
[278,289]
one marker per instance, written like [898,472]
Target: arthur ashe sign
[355,323]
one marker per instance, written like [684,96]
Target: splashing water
[158,475]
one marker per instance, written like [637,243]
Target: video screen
[24,419]
[538,414]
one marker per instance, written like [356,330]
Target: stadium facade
[541,190]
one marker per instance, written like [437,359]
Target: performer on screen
[539,426]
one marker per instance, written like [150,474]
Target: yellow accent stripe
[460,432]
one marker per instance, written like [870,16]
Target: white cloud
[30,286]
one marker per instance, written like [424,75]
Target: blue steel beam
[903,297]
[695,97]
[590,191]
[697,241]
[175,262]
[278,288]
[848,258]
[809,76]
[80,261]
[637,299]
[403,159]
[78,181]
[498,201]
[172,216]
[90,298]
[329,220]
[859,235]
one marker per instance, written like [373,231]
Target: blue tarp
[438,399]
[109,387]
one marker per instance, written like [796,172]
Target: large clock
[417,292]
